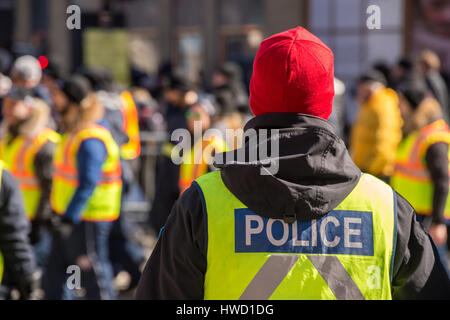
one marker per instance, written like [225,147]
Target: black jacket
[315,174]
[43,163]
[17,252]
[437,164]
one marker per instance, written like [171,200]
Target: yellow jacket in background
[377,133]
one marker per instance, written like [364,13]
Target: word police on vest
[338,232]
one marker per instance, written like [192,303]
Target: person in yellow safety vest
[195,163]
[196,160]
[300,223]
[86,194]
[27,147]
[17,264]
[422,160]
[121,116]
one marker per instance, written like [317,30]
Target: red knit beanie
[293,72]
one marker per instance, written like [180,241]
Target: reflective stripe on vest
[411,177]
[346,254]
[132,148]
[104,204]
[2,165]
[19,158]
[195,163]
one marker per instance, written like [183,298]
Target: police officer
[85,196]
[300,223]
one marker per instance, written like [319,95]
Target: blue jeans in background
[88,239]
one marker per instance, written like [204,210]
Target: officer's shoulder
[191,200]
[376,186]
[210,177]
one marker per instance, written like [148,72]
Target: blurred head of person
[229,73]
[178,91]
[77,105]
[5,85]
[199,113]
[225,74]
[26,72]
[385,69]
[368,83]
[293,72]
[220,78]
[53,73]
[428,61]
[17,106]
[416,107]
[401,69]
[99,78]
[23,113]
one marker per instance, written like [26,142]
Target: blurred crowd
[68,143]
[400,134]
[69,139]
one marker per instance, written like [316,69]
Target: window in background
[241,33]
[188,13]
[89,5]
[238,12]
[142,13]
[190,55]
[342,26]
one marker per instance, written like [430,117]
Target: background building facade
[198,35]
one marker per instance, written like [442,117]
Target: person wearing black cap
[421,171]
[52,77]
[376,132]
[26,147]
[403,69]
[86,193]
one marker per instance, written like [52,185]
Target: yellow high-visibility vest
[131,149]
[411,178]
[195,162]
[104,204]
[346,254]
[18,157]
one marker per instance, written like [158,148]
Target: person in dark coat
[178,97]
[20,269]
